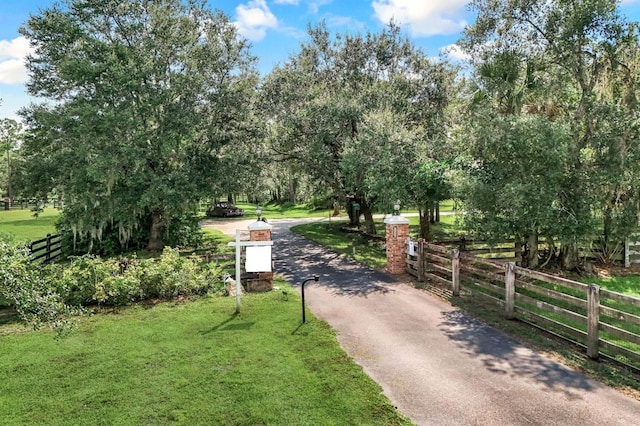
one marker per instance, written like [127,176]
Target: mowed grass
[362,249]
[189,363]
[629,285]
[370,253]
[24,227]
[284,211]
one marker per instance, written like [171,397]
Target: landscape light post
[258,212]
[314,278]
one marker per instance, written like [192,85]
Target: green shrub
[23,285]
[76,282]
[89,280]
[172,275]
[118,290]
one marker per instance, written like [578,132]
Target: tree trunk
[155,242]
[425,224]
[9,191]
[336,208]
[517,249]
[370,226]
[292,190]
[569,255]
[607,226]
[230,198]
[532,250]
[437,211]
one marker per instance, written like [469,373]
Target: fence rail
[46,250]
[510,251]
[632,250]
[601,321]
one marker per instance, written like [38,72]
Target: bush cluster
[25,287]
[91,280]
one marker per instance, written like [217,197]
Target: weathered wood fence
[46,250]
[25,203]
[601,321]
[511,251]
[632,250]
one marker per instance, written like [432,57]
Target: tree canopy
[141,99]
[566,72]
[151,106]
[356,110]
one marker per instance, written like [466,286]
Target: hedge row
[91,280]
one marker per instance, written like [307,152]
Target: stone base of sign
[263,282]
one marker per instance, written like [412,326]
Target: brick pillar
[260,231]
[397,234]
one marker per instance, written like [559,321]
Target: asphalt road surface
[436,364]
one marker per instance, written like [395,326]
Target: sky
[275,27]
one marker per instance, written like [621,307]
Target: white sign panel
[258,259]
[412,248]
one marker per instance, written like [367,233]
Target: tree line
[150,107]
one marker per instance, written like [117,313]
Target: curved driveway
[437,365]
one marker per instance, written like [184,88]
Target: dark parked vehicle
[224,210]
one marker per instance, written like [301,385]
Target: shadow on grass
[503,355]
[297,329]
[227,325]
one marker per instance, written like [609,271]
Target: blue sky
[275,28]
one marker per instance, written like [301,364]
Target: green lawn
[285,211]
[189,363]
[624,284]
[370,253]
[25,227]
[328,234]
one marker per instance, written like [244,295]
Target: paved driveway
[437,365]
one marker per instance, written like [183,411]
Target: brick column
[260,231]
[397,234]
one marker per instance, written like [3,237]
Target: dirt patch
[228,226]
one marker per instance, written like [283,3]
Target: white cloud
[314,6]
[254,19]
[291,2]
[337,21]
[12,56]
[454,52]
[424,18]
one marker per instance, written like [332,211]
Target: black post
[48,254]
[314,278]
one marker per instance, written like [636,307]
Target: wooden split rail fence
[625,253]
[46,250]
[601,321]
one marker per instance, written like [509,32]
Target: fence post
[421,259]
[510,291]
[627,260]
[593,311]
[455,271]
[48,253]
